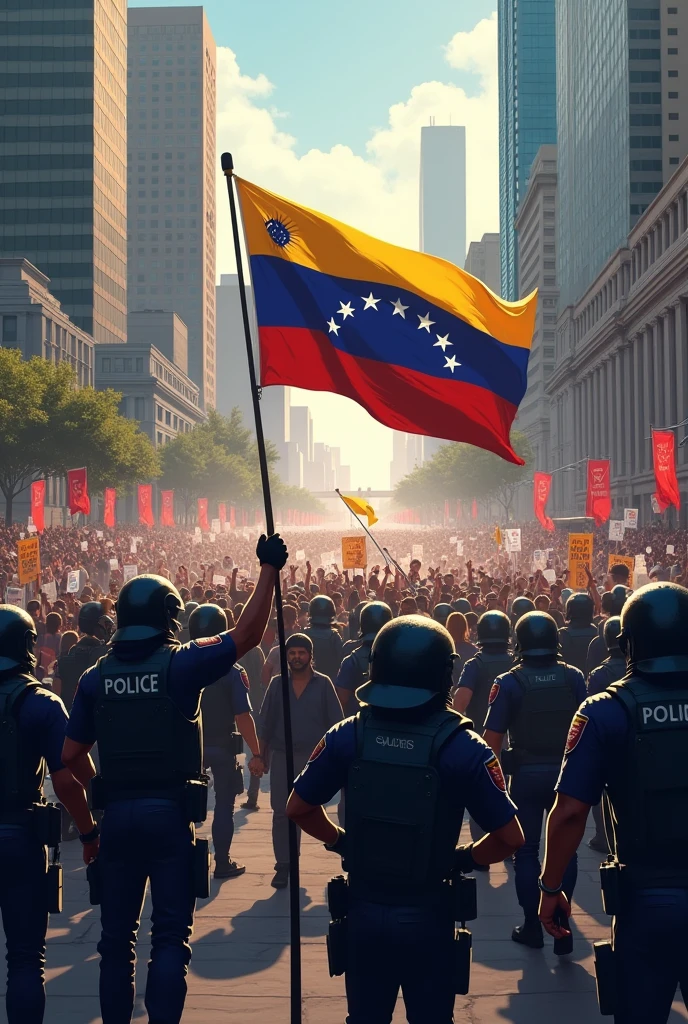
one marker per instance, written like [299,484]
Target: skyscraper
[443,192]
[172,175]
[63,153]
[619,68]
[483,261]
[527,112]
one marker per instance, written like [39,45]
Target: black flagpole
[294,901]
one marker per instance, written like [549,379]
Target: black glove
[272,551]
[339,845]
[463,859]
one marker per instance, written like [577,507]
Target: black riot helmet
[580,609]
[410,663]
[374,616]
[463,605]
[442,612]
[620,595]
[94,623]
[17,639]
[612,632]
[321,611]
[537,636]
[207,620]
[148,606]
[653,629]
[494,629]
[521,606]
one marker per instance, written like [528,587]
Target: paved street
[240,967]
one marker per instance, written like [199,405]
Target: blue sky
[338,67]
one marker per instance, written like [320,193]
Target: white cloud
[377,192]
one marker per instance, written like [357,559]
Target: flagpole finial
[227,164]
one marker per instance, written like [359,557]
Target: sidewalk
[240,968]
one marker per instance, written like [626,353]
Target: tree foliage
[48,425]
[464,472]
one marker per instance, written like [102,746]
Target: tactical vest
[646,799]
[575,641]
[218,715]
[538,733]
[611,670]
[71,667]
[401,825]
[327,650]
[491,666]
[147,746]
[21,774]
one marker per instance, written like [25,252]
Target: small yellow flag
[360,507]
[498,537]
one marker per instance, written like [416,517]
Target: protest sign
[28,559]
[218,580]
[114,563]
[550,575]
[73,582]
[212,537]
[84,545]
[129,571]
[580,555]
[31,528]
[512,540]
[99,534]
[622,560]
[50,590]
[15,596]
[300,555]
[132,546]
[354,554]
[215,526]
[630,518]
[616,529]
[670,549]
[459,547]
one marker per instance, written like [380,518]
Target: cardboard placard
[15,596]
[623,560]
[99,534]
[512,540]
[132,546]
[129,571]
[31,528]
[580,554]
[630,518]
[73,581]
[616,529]
[215,526]
[550,575]
[114,563]
[670,549]
[459,547]
[28,559]
[354,553]
[50,590]
[218,580]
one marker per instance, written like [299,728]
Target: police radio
[337,903]
[464,892]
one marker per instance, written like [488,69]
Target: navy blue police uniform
[612,669]
[141,704]
[534,703]
[384,937]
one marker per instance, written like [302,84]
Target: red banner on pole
[542,483]
[167,508]
[77,488]
[474,509]
[146,517]
[599,499]
[459,511]
[38,504]
[232,516]
[222,512]
[109,507]
[664,458]
[203,514]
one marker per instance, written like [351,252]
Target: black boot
[529,933]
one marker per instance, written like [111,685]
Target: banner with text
[28,559]
[664,459]
[599,497]
[580,555]
[354,553]
[542,483]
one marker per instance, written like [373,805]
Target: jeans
[651,953]
[280,788]
[532,790]
[25,920]
[141,840]
[392,948]
[223,764]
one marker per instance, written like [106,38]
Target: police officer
[184,617]
[225,705]
[409,768]
[629,743]
[96,629]
[597,651]
[32,725]
[535,703]
[141,704]
[575,637]
[355,668]
[520,607]
[479,673]
[441,613]
[327,643]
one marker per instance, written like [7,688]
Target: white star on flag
[451,364]
[370,301]
[442,342]
[333,326]
[425,322]
[345,310]
[399,308]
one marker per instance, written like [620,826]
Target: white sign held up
[73,582]
[616,529]
[630,518]
[129,571]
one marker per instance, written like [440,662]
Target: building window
[139,364]
[105,365]
[672,31]
[140,408]
[673,117]
[175,422]
[672,74]
[158,412]
[673,138]
[672,10]
[673,51]
[673,159]
[119,366]
[673,95]
[9,330]
[168,417]
[159,436]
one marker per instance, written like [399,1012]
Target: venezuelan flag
[419,343]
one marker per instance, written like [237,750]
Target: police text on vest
[662,713]
[394,741]
[131,685]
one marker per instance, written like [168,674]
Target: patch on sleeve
[207,641]
[244,678]
[494,770]
[576,731]
[493,693]
[320,746]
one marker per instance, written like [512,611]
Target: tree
[462,471]
[48,425]
[195,467]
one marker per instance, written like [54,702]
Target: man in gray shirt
[315,708]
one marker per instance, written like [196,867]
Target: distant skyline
[331,117]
